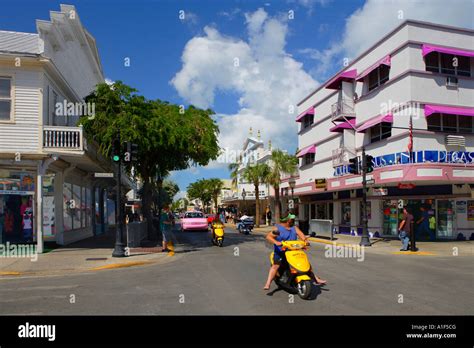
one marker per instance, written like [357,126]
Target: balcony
[342,109]
[63,138]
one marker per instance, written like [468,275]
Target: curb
[65,272]
[324,241]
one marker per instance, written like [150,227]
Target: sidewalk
[392,246]
[89,255]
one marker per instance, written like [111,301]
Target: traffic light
[353,167]
[369,162]
[116,151]
[131,152]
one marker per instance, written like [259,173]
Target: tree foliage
[168,136]
[281,163]
[257,174]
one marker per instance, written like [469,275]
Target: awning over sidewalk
[450,110]
[335,83]
[306,150]
[375,121]
[384,61]
[344,125]
[310,111]
[426,49]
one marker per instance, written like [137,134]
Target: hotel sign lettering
[428,156]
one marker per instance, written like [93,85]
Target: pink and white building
[422,72]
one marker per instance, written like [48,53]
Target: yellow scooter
[217,233]
[295,274]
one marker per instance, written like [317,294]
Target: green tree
[200,190]
[215,186]
[234,170]
[168,136]
[282,163]
[257,174]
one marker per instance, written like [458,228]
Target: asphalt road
[204,279]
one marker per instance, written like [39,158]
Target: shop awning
[335,82]
[384,61]
[308,149]
[426,49]
[375,121]
[450,110]
[310,111]
[344,125]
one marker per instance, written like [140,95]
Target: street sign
[103,175]
[320,183]
[380,192]
[406,186]
[370,181]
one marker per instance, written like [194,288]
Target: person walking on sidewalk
[424,224]
[405,229]
[166,226]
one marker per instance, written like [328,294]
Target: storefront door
[445,219]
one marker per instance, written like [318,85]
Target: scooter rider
[285,231]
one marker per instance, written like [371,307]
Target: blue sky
[156,40]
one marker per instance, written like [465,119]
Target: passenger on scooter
[243,217]
[284,231]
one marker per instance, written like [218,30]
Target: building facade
[47,185]
[243,194]
[408,100]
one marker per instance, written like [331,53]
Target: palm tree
[215,186]
[283,163]
[234,170]
[257,174]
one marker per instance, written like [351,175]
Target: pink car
[193,221]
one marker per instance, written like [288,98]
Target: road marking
[421,253]
[121,265]
[9,273]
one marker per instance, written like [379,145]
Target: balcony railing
[63,138]
[343,108]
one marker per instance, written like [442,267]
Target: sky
[250,61]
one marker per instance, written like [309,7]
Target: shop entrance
[16,218]
[435,217]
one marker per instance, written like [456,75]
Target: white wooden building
[46,163]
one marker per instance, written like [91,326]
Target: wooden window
[5,98]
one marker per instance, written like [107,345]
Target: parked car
[194,221]
[211,218]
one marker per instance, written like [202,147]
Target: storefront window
[346,213]
[83,207]
[76,216]
[88,207]
[445,218]
[390,217]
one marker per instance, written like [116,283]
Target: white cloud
[376,18]
[267,79]
[109,81]
[180,194]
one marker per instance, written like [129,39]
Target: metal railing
[67,138]
[344,107]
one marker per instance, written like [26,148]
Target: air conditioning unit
[455,140]
[451,81]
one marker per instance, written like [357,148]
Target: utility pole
[119,250]
[365,241]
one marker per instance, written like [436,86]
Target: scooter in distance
[217,228]
[245,226]
[295,274]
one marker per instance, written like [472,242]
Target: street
[204,279]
